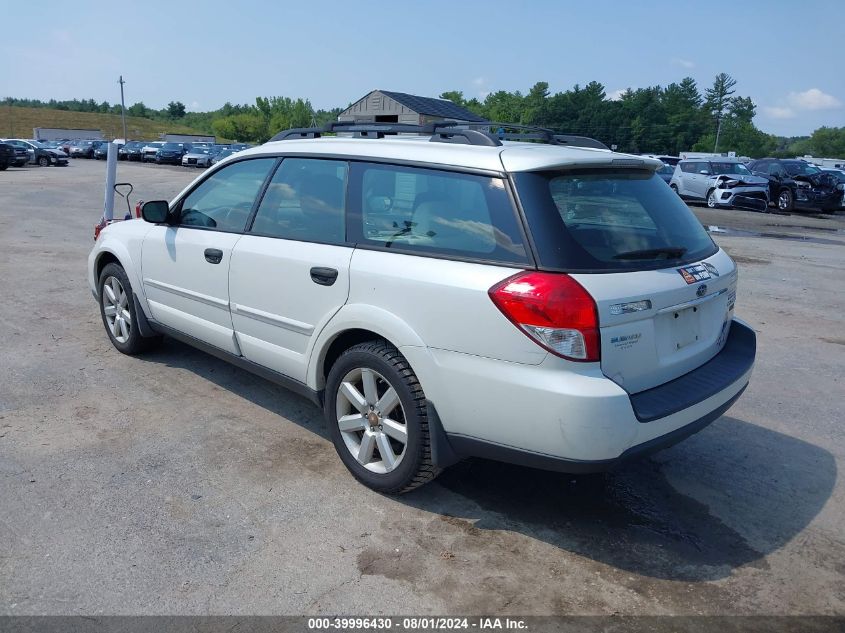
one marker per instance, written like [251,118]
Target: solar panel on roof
[433,107]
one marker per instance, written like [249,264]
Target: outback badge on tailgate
[696,272]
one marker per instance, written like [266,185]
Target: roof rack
[444,132]
[543,135]
[441,132]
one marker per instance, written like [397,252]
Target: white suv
[443,295]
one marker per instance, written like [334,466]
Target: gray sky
[785,55]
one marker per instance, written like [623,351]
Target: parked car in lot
[7,156]
[149,151]
[223,154]
[796,184]
[84,149]
[170,153]
[23,154]
[198,157]
[38,153]
[131,151]
[723,182]
[666,172]
[102,151]
[416,291]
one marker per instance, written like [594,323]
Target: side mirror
[155,211]
[704,172]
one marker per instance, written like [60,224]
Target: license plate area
[684,326]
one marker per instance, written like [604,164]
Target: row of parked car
[789,184]
[186,154]
[19,152]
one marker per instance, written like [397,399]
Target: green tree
[176,109]
[717,99]
[455,96]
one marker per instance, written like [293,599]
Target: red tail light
[554,310]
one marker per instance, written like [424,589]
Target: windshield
[172,146]
[606,220]
[666,169]
[800,168]
[730,168]
[38,145]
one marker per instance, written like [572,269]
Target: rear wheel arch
[355,323]
[339,344]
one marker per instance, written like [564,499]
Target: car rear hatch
[664,292]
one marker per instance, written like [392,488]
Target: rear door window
[609,220]
[305,201]
[437,212]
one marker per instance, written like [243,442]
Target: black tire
[675,189]
[785,200]
[415,467]
[135,343]
[43,161]
[4,166]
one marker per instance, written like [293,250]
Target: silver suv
[443,294]
[722,182]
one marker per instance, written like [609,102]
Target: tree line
[656,119]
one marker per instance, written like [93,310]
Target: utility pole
[123,109]
[718,131]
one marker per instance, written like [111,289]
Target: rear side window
[436,212]
[688,168]
[609,220]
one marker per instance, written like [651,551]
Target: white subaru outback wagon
[443,295]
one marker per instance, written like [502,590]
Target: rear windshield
[609,220]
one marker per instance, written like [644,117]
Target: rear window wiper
[667,252]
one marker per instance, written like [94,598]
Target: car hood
[57,152]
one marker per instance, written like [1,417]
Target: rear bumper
[448,449]
[578,421]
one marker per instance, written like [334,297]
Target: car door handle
[213,255]
[323,276]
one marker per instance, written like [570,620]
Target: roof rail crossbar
[542,134]
[440,132]
[459,135]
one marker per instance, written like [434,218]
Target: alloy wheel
[371,420]
[116,308]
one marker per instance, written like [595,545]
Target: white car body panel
[277,310]
[445,302]
[186,292]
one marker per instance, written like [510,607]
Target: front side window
[800,168]
[224,200]
[438,212]
[607,220]
[305,201]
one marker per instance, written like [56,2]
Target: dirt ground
[176,484]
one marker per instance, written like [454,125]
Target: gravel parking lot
[175,483]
